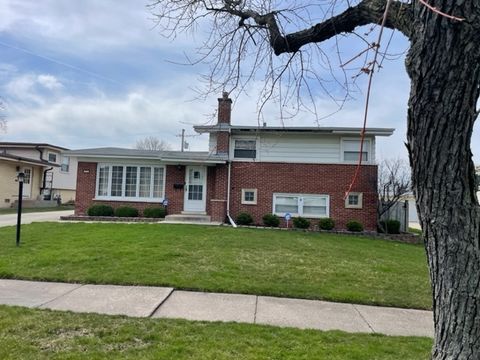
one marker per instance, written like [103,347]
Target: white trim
[300,207]
[124,181]
[251,138]
[360,201]
[189,205]
[367,147]
[254,201]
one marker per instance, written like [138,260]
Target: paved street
[162,302]
[27,218]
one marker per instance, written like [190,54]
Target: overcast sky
[98,73]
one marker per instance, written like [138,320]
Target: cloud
[49,81]
[87,26]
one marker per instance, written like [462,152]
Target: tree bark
[444,67]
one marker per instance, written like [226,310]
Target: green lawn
[43,334]
[265,262]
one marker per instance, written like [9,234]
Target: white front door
[27,182]
[195,188]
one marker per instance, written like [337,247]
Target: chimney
[224,109]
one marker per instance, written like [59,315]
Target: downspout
[44,182]
[40,151]
[228,195]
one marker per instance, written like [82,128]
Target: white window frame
[360,201]
[63,163]
[246,202]
[367,147]
[137,190]
[300,205]
[247,138]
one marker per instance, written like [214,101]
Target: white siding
[65,180]
[28,153]
[300,149]
[212,143]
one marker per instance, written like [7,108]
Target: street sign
[288,216]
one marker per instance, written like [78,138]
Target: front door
[195,188]
[27,182]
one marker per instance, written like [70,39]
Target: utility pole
[183,139]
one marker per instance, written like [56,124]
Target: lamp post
[20,179]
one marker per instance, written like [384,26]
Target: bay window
[130,182]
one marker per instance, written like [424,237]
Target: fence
[399,212]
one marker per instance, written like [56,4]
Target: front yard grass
[331,267]
[43,334]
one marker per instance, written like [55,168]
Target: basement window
[249,196]
[354,201]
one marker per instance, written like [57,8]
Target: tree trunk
[444,67]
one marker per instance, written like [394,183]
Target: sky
[92,73]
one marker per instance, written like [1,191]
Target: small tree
[152,143]
[393,183]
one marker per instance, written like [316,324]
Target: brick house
[304,171]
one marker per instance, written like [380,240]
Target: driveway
[11,219]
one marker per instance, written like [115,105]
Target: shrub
[326,224]
[244,219]
[271,220]
[301,223]
[100,210]
[154,212]
[390,226]
[126,211]
[355,226]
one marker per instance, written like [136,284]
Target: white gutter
[228,195]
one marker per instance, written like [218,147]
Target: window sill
[129,199]
[249,203]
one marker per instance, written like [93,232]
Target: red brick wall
[217,192]
[86,182]
[224,109]
[223,142]
[333,180]
[267,178]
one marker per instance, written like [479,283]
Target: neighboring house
[260,170]
[48,173]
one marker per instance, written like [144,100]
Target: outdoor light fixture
[20,178]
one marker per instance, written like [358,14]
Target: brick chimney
[224,109]
[224,117]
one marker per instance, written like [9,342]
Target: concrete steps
[188,218]
[35,203]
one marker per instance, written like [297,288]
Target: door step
[188,218]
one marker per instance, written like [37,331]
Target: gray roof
[22,159]
[8,144]
[313,129]
[167,156]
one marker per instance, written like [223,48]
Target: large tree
[443,64]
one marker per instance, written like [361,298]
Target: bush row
[273,220]
[125,211]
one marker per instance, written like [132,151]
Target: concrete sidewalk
[27,218]
[162,302]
